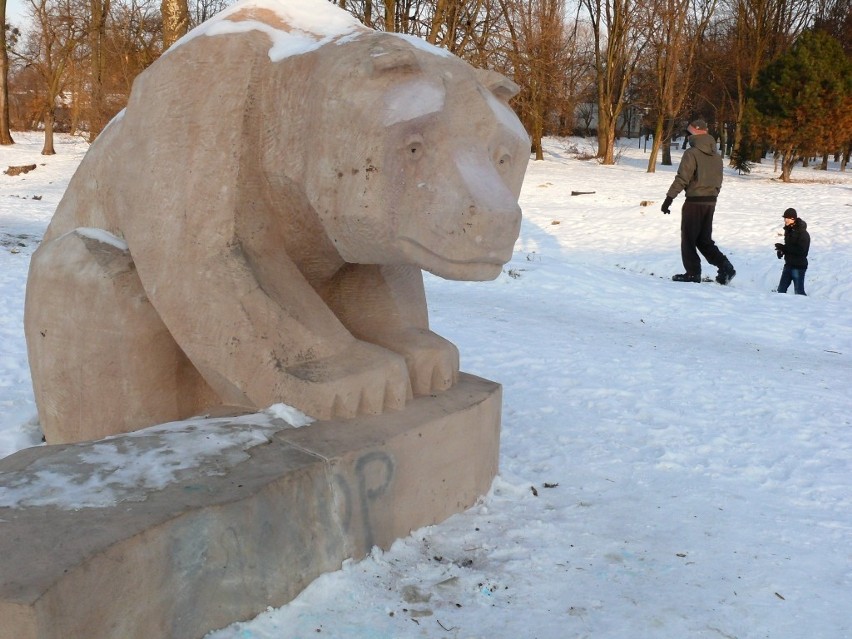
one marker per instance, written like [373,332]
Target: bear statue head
[428,163]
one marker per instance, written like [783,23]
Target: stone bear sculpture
[251,229]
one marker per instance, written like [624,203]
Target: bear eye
[414,148]
[503,157]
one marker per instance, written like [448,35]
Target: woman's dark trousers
[794,275]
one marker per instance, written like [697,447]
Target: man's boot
[687,277]
[726,272]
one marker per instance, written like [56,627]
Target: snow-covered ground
[676,458]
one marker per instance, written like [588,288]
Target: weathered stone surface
[253,228]
[248,528]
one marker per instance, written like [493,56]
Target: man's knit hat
[790,213]
[699,123]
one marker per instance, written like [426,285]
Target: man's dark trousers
[696,232]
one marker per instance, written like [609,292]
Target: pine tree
[802,103]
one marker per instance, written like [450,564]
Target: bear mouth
[479,268]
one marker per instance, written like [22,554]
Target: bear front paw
[364,379]
[433,362]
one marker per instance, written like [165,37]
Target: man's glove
[666,204]
[779,250]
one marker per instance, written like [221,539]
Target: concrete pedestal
[249,527]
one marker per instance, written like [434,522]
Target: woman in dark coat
[794,250]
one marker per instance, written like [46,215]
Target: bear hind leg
[102,360]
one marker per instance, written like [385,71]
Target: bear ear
[384,58]
[498,84]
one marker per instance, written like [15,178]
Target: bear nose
[494,229]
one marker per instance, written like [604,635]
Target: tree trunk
[667,146]
[737,138]
[729,149]
[5,134]
[175,21]
[655,145]
[606,132]
[537,134]
[390,16]
[787,162]
[609,156]
[97,36]
[48,131]
[666,160]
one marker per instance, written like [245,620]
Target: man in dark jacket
[794,250]
[700,175]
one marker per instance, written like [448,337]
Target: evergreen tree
[802,103]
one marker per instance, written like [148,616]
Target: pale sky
[16,12]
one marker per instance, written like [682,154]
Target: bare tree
[618,27]
[361,9]
[134,42]
[576,75]
[5,133]
[49,51]
[677,28]
[537,55]
[386,15]
[455,24]
[203,10]
[716,86]
[463,27]
[444,16]
[835,18]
